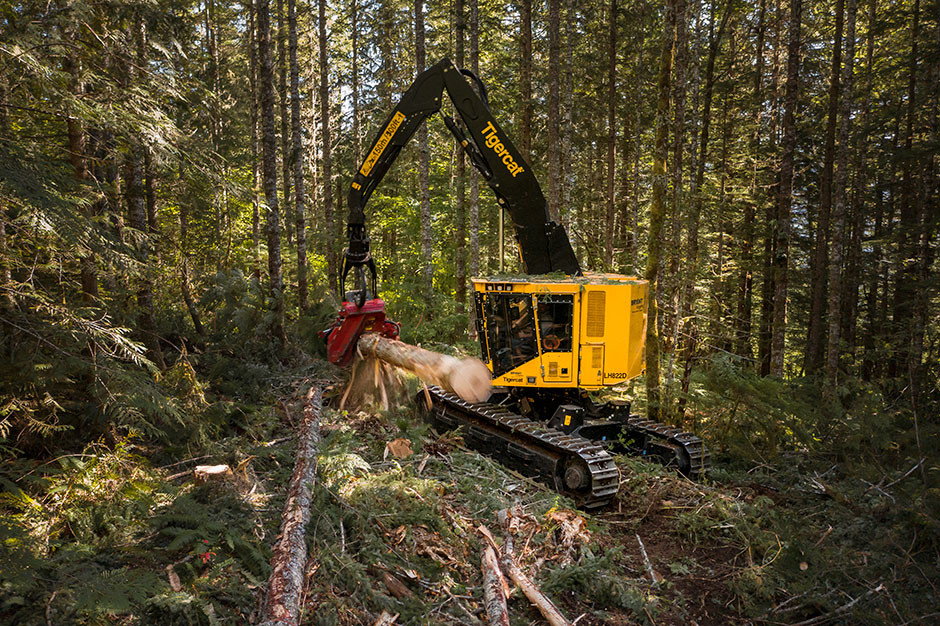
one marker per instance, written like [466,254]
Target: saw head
[353,321]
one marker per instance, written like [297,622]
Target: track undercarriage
[571,451]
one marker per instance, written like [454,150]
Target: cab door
[593,335]
[555,314]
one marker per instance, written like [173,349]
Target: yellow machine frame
[607,327]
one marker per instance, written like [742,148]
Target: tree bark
[289,558]
[566,142]
[297,158]
[785,191]
[186,289]
[838,212]
[284,111]
[746,272]
[906,277]
[538,599]
[255,146]
[611,133]
[474,175]
[554,76]
[357,148]
[525,78]
[468,378]
[269,168]
[330,222]
[658,213]
[460,28]
[815,341]
[497,612]
[424,191]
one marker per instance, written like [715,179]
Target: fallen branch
[282,600]
[494,589]
[538,599]
[646,561]
[469,378]
[845,608]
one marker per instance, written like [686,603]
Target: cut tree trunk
[497,612]
[468,378]
[282,601]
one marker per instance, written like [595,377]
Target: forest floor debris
[394,536]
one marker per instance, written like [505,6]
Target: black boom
[543,244]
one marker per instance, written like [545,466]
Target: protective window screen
[596,309]
[510,331]
[555,322]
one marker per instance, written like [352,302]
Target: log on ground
[282,600]
[497,613]
[469,378]
[538,599]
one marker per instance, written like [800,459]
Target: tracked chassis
[576,463]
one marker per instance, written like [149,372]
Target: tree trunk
[137,214]
[746,272]
[424,157]
[284,110]
[838,212]
[297,158]
[357,148]
[554,76]
[525,78]
[611,133]
[186,288]
[671,314]
[785,191]
[566,143]
[768,288]
[692,243]
[474,176]
[658,212]
[906,277]
[815,341]
[289,558]
[255,147]
[460,28]
[468,378]
[330,222]
[269,168]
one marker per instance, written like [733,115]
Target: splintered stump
[282,601]
[469,378]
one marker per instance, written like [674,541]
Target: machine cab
[586,332]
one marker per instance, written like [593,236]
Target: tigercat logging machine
[548,337]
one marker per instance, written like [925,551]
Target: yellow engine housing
[584,332]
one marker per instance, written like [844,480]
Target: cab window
[555,315]
[510,326]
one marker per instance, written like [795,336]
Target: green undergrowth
[810,512]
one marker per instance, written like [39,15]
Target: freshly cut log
[282,600]
[469,378]
[497,613]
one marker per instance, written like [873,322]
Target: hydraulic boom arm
[543,244]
